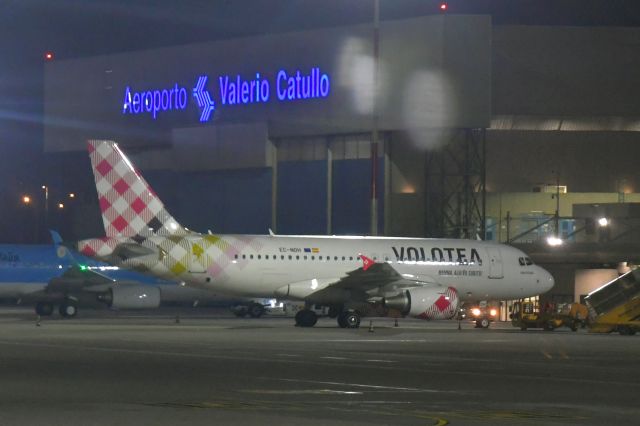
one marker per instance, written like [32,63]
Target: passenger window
[236,256]
[313,258]
[350,257]
[290,257]
[305,257]
[244,256]
[282,256]
[335,257]
[258,256]
[250,256]
[343,258]
[297,257]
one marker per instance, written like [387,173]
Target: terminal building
[480,130]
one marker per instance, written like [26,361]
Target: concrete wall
[434,71]
[567,71]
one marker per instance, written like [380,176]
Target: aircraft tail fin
[63,251]
[128,204]
[55,237]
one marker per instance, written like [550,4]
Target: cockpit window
[525,261]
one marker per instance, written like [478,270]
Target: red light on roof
[48,56]
[443,7]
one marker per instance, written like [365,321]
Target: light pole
[374,132]
[46,206]
[557,219]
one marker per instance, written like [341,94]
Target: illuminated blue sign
[232,90]
[297,86]
[203,97]
[154,101]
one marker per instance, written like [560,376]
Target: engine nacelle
[426,302]
[131,297]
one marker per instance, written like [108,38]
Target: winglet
[366,262]
[271,234]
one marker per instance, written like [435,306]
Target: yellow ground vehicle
[529,315]
[616,305]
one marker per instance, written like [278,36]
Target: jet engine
[426,302]
[131,297]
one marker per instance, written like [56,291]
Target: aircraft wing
[369,277]
[366,283]
[79,278]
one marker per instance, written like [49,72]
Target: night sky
[77,28]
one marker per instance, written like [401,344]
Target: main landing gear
[66,309]
[346,319]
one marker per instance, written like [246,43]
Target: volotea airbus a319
[423,278]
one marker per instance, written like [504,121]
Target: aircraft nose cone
[546,281]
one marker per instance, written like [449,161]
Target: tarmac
[172,366]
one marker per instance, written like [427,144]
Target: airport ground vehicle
[253,309]
[482,314]
[616,305]
[530,315]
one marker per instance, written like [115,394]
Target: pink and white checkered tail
[129,206]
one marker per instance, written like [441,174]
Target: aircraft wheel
[306,318]
[68,310]
[624,330]
[352,320]
[256,310]
[44,309]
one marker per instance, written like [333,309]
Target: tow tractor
[482,315]
[530,315]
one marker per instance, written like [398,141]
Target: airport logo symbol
[203,98]
[233,91]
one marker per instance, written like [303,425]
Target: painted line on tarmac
[302,392]
[361,385]
[371,341]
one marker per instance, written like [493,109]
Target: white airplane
[423,278]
